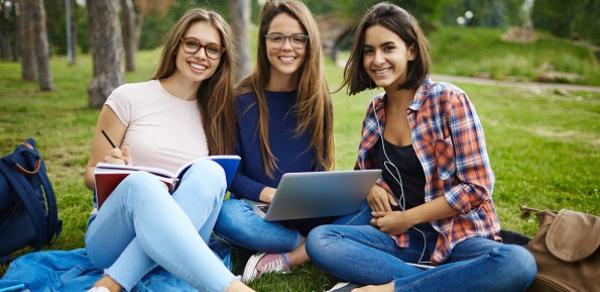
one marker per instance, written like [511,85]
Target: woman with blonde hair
[285,124]
[180,115]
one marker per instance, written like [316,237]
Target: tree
[25,31]
[132,23]
[41,48]
[106,44]
[8,27]
[69,30]
[240,19]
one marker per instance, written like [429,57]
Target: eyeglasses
[192,45]
[297,40]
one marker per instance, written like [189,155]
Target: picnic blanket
[72,271]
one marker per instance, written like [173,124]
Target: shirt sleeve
[121,104]
[475,178]
[242,185]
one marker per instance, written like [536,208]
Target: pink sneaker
[262,263]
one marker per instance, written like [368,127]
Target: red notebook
[109,176]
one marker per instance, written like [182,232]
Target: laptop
[302,195]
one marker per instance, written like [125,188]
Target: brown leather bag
[566,250]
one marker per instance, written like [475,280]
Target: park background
[543,139]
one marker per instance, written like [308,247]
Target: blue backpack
[28,211]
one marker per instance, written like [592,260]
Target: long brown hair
[215,95]
[313,104]
[407,28]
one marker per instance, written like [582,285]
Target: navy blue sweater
[292,152]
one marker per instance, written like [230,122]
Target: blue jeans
[141,226]
[239,225]
[365,255]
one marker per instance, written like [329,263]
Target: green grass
[480,51]
[544,147]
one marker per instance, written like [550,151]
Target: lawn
[481,52]
[544,147]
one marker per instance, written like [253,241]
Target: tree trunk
[75,11]
[15,50]
[28,64]
[69,29]
[41,48]
[106,48]
[240,20]
[130,35]
[3,47]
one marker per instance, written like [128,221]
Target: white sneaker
[262,263]
[98,289]
[343,287]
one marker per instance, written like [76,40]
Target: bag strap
[54,225]
[24,189]
[30,153]
[526,211]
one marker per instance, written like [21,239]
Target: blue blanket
[72,271]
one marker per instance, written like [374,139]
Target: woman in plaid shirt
[434,224]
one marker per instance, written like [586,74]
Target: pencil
[108,139]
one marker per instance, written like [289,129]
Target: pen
[108,139]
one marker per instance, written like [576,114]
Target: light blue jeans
[239,225]
[141,226]
[365,255]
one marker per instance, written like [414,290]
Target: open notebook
[108,176]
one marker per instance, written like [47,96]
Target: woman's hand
[394,222]
[267,194]
[380,200]
[118,156]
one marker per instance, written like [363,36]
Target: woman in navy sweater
[285,124]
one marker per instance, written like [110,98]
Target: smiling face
[196,67]
[285,57]
[386,57]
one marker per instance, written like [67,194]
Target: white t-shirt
[162,130]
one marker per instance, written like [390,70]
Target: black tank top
[410,169]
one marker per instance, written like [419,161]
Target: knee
[208,171]
[518,265]
[319,241]
[232,212]
[227,213]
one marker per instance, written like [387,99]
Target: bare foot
[389,287]
[109,283]
[237,286]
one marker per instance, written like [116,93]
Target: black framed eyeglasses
[192,45]
[297,40]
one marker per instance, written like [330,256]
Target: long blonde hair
[313,104]
[215,95]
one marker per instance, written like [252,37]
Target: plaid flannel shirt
[448,139]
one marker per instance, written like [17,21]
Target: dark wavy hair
[407,28]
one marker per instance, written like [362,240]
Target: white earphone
[398,178]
